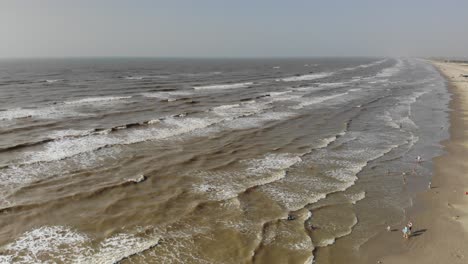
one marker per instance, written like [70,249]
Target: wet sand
[440,214]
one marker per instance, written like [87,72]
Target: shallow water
[228,149]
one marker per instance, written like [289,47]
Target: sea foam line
[224,86]
[70,246]
[64,109]
[306,77]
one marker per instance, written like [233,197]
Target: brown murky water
[211,161]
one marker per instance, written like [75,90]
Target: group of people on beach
[406,230]
[418,160]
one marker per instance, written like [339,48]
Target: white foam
[6,259]
[65,109]
[69,133]
[387,72]
[56,242]
[408,122]
[331,240]
[377,81]
[45,112]
[310,260]
[221,108]
[117,248]
[224,86]
[200,74]
[321,86]
[173,127]
[53,80]
[273,94]
[17,176]
[307,77]
[293,196]
[365,65]
[232,111]
[307,101]
[69,246]
[332,84]
[272,162]
[389,121]
[355,90]
[226,185]
[347,170]
[256,121]
[227,189]
[326,141]
[356,197]
[303,245]
[284,97]
[170,96]
[344,165]
[134,77]
[412,99]
[97,99]
[19,113]
[326,242]
[68,147]
[337,170]
[308,88]
[103,132]
[154,121]
[229,116]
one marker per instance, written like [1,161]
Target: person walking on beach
[410,227]
[405,232]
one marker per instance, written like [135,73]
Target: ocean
[135,160]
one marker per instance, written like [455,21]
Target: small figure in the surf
[419,159]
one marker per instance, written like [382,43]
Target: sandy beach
[440,214]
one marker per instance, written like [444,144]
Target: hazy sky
[237,28]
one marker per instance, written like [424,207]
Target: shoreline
[440,214]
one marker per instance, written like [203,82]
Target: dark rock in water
[312,227]
[291,217]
